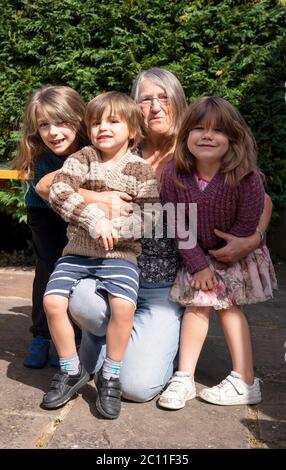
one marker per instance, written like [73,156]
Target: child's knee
[121,309]
[123,315]
[202,312]
[54,305]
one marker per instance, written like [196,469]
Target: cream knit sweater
[131,174]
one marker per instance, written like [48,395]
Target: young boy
[98,246]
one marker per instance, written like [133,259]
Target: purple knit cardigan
[236,211]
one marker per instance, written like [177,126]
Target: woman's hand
[236,247]
[113,203]
[204,279]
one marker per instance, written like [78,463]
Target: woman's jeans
[153,345]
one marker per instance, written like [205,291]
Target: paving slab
[15,282]
[146,426]
[24,425]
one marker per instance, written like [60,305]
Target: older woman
[148,362]
[153,345]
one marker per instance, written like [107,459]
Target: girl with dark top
[53,128]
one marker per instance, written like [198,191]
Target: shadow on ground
[205,425]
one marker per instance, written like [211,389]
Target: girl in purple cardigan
[215,167]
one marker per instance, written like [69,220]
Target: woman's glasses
[148,101]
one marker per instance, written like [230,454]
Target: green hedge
[235,49]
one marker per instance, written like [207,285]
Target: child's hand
[204,279]
[107,231]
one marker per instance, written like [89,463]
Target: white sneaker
[233,391]
[180,389]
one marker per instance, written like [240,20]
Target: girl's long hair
[60,104]
[215,112]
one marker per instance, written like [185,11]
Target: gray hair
[173,89]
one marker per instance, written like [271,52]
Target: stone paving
[24,425]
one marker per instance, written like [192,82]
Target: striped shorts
[115,276]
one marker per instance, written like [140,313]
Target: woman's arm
[42,188]
[114,202]
[265,218]
[238,247]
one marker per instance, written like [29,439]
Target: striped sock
[70,364]
[111,368]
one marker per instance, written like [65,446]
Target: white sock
[70,364]
[111,368]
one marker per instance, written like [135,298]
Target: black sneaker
[63,387]
[108,401]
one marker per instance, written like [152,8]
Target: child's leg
[60,326]
[49,238]
[237,335]
[240,387]
[119,327]
[47,229]
[194,330]
[118,333]
[72,375]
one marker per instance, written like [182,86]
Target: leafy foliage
[235,49]
[13,201]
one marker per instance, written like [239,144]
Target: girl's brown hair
[120,105]
[217,113]
[60,104]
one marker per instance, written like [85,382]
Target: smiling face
[156,108]
[60,138]
[110,134]
[207,144]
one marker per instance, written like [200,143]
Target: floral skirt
[248,281]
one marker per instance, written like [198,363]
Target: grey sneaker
[180,389]
[233,391]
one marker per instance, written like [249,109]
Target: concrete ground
[24,425]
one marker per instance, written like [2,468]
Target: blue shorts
[115,276]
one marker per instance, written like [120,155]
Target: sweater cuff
[94,216]
[196,260]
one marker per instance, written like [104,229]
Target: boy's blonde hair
[217,113]
[60,104]
[121,105]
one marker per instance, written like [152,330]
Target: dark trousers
[49,239]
